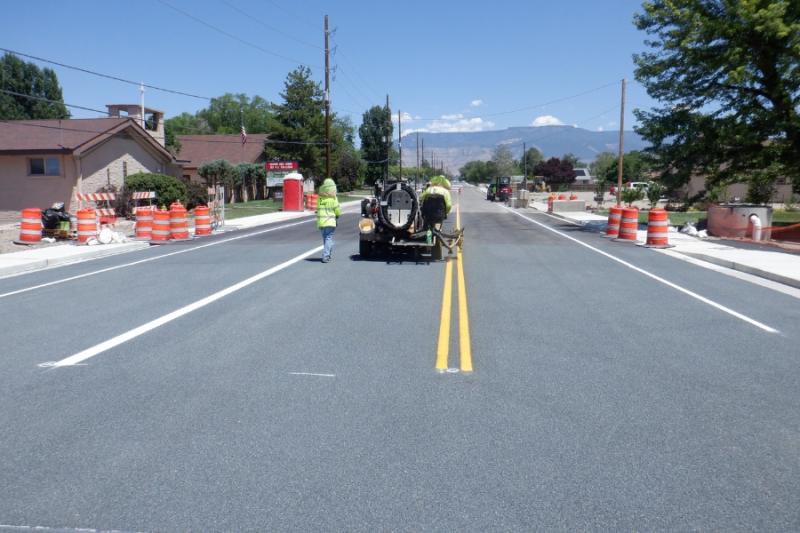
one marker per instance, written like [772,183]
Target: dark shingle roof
[52,135]
[199,149]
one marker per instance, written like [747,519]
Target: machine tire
[365,249]
[436,251]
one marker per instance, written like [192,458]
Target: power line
[526,108]
[235,37]
[43,99]
[268,26]
[100,74]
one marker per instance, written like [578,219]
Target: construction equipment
[500,189]
[394,221]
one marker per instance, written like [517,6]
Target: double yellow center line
[464,344]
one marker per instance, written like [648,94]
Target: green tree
[504,162]
[375,133]
[220,172]
[251,179]
[532,157]
[555,172]
[635,167]
[227,113]
[599,167]
[168,189]
[298,132]
[40,84]
[183,124]
[726,75]
[572,159]
[475,172]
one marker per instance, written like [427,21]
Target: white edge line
[153,324]
[312,374]
[687,292]
[147,260]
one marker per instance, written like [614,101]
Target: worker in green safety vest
[328,213]
[439,185]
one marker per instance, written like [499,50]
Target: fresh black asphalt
[600,400]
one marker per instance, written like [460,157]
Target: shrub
[631,195]
[654,192]
[196,194]
[168,189]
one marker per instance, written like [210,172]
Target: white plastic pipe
[756,222]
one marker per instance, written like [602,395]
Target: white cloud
[476,103]
[456,125]
[600,128]
[407,117]
[454,116]
[546,120]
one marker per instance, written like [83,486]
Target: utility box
[293,192]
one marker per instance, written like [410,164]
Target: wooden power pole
[621,144]
[327,103]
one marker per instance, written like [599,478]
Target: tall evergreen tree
[376,137]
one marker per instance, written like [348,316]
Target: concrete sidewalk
[63,254]
[777,266]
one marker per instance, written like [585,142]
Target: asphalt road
[245,386]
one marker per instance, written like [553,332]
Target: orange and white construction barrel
[161,230]
[629,224]
[614,219]
[178,222]
[30,228]
[144,222]
[87,224]
[657,228]
[202,220]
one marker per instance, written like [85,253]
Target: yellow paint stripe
[443,348]
[464,343]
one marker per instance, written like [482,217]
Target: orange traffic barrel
[30,228]
[629,224]
[573,196]
[178,222]
[614,219]
[311,201]
[87,224]
[562,196]
[160,231]
[144,222]
[657,228]
[550,200]
[202,220]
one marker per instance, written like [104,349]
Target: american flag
[244,135]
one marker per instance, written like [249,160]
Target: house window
[45,166]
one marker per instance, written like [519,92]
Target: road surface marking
[312,374]
[153,324]
[149,259]
[444,322]
[659,279]
[464,343]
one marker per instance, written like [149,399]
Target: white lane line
[687,292]
[153,324]
[149,259]
[62,529]
[312,374]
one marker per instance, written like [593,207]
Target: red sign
[281,165]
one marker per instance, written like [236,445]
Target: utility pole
[524,168]
[621,141]
[400,141]
[327,103]
[422,162]
[388,139]
[416,174]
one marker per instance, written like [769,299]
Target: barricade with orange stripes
[629,224]
[178,222]
[161,231]
[658,229]
[311,201]
[202,220]
[30,228]
[106,213]
[614,219]
[87,224]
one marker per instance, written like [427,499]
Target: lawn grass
[785,217]
[260,207]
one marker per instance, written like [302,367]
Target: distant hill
[456,149]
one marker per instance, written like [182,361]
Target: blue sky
[449,66]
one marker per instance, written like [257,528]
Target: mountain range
[456,149]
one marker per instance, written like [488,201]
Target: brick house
[46,161]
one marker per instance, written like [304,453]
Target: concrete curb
[92,252]
[743,268]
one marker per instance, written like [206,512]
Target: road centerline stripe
[443,348]
[655,277]
[464,343]
[174,315]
